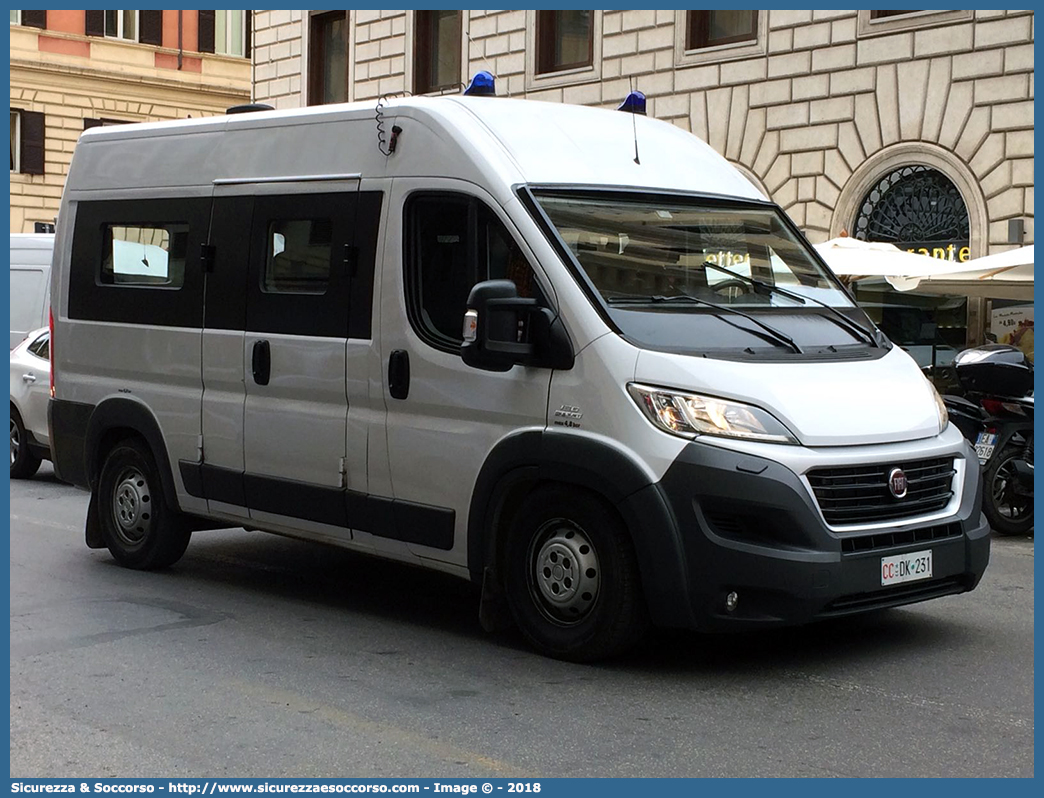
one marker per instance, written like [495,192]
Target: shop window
[144,256]
[328,58]
[919,209]
[436,58]
[564,40]
[713,28]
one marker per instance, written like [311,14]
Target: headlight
[689,415]
[940,405]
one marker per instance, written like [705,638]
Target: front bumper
[749,525]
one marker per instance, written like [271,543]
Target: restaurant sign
[956,251]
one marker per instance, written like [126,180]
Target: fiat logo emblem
[897,482]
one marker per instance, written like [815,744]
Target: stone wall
[825,102]
[77,79]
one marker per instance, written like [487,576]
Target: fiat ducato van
[569,354]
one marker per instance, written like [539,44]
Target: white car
[30,391]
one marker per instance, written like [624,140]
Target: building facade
[71,70]
[817,107]
[914,127]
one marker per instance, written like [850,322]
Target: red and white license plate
[906,567]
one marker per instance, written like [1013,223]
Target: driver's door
[445,417]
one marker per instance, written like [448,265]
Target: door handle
[399,374]
[261,362]
[30,377]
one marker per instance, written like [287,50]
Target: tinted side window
[299,252]
[138,261]
[453,242]
[300,269]
[144,256]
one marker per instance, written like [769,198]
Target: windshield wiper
[840,318]
[774,335]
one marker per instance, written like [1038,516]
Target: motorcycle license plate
[906,567]
[984,446]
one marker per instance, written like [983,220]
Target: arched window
[918,208]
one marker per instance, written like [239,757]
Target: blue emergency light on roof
[482,85]
[634,104]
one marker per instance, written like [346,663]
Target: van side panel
[132,322]
[224,320]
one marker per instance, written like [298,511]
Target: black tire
[1007,512]
[23,462]
[138,527]
[571,577]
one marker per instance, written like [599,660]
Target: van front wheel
[571,577]
[139,529]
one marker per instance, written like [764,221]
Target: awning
[1006,275]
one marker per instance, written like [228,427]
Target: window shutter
[32,143]
[248,33]
[34,19]
[150,30]
[206,31]
[95,24]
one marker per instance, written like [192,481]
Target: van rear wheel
[138,527]
[571,576]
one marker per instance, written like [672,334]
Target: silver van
[30,282]
[569,354]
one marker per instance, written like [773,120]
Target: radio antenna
[634,124]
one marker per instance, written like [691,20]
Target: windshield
[706,277]
[651,247]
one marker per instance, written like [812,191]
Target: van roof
[32,240]
[492,140]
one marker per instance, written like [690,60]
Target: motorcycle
[996,416]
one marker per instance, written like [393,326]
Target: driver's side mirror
[502,329]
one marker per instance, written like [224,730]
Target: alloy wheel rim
[15,442]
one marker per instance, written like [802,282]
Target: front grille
[860,494]
[887,540]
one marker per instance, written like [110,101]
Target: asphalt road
[258,656]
